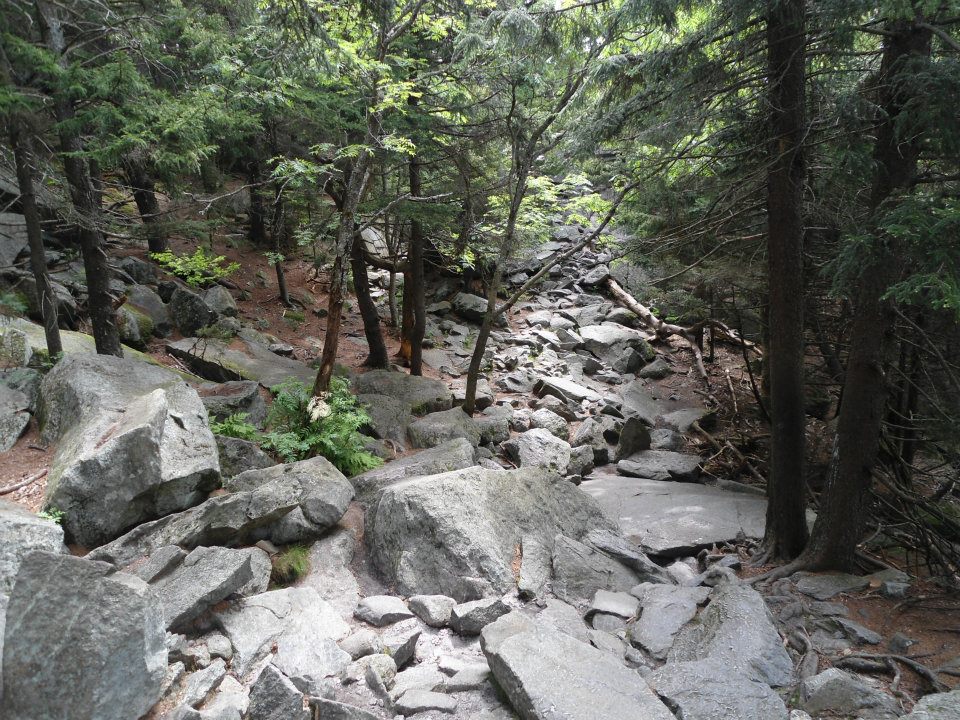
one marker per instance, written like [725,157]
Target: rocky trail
[564,554]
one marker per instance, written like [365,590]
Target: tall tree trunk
[840,523]
[346,232]
[257,214]
[23,156]
[144,195]
[377,356]
[84,199]
[406,318]
[415,255]
[786,527]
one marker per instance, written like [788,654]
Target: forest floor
[928,616]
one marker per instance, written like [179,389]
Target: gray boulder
[14,416]
[565,389]
[324,495]
[609,341]
[656,370]
[297,626]
[548,675]
[580,570]
[452,455]
[434,610]
[939,706]
[205,577]
[440,427]
[22,532]
[470,618]
[665,610]
[81,642]
[223,520]
[456,534]
[837,692]
[389,417]
[639,402]
[661,465]
[737,629]
[189,312]
[420,394]
[550,421]
[539,448]
[470,307]
[146,302]
[591,433]
[634,438]
[220,301]
[709,690]
[132,444]
[237,456]
[13,238]
[230,398]
[274,697]
[382,610]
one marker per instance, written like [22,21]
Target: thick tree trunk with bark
[786,527]
[416,277]
[377,357]
[23,156]
[346,233]
[145,196]
[84,198]
[840,523]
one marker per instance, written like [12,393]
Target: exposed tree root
[23,483]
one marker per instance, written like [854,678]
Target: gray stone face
[205,577]
[550,421]
[837,692]
[220,301]
[453,455]
[237,456]
[440,427]
[330,574]
[666,609]
[434,610]
[609,341]
[231,398]
[22,532]
[324,495]
[297,625]
[579,571]
[646,512]
[420,394]
[591,434]
[634,438]
[415,701]
[661,465]
[223,520]
[389,417]
[638,401]
[81,644]
[737,628]
[548,675]
[189,312]
[939,706]
[826,586]
[621,604]
[13,238]
[132,444]
[471,617]
[619,548]
[709,690]
[241,359]
[456,534]
[539,448]
[382,610]
[14,416]
[274,697]
[565,389]
[470,307]
[657,370]
[333,710]
[145,301]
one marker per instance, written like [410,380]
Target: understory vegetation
[777,181]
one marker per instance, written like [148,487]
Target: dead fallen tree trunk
[661,329]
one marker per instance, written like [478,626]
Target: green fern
[236,426]
[199,269]
[300,429]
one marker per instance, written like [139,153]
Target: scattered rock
[939,706]
[453,455]
[579,571]
[237,456]
[420,394]
[189,312]
[539,448]
[442,426]
[274,697]
[132,444]
[666,609]
[826,586]
[230,398]
[660,465]
[434,610]
[415,701]
[836,691]
[81,642]
[550,421]
[382,610]
[471,617]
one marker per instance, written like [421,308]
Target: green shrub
[236,426]
[199,269]
[302,426]
[290,565]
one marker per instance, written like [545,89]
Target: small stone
[472,677]
[900,643]
[434,610]
[894,590]
[400,641]
[363,642]
[418,701]
[219,646]
[382,610]
[471,617]
[621,604]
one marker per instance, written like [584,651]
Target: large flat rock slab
[239,359]
[548,675]
[672,519]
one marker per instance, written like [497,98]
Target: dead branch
[729,446]
[23,483]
